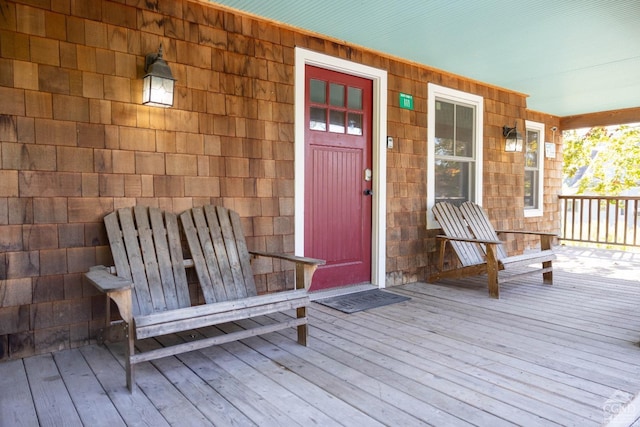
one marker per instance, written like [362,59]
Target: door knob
[368,192]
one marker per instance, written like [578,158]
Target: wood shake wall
[75,144]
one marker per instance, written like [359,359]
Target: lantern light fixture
[158,82]
[513,138]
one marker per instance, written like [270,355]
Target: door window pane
[318,91]
[338,111]
[336,95]
[318,120]
[336,121]
[354,98]
[355,124]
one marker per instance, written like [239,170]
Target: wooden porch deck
[565,354]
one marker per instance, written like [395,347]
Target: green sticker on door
[406,101]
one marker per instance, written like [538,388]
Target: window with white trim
[454,143]
[533,169]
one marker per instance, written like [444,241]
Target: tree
[602,161]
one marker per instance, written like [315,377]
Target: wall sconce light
[513,138]
[157,86]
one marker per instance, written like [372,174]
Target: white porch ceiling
[570,56]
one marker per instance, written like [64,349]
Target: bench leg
[303,330]
[129,351]
[106,333]
[547,277]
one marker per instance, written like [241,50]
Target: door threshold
[340,290]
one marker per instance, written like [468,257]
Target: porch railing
[600,219]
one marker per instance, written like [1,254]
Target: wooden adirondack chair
[479,250]
[149,283]
[481,227]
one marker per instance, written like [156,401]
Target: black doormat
[359,301]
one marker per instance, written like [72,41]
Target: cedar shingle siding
[76,144]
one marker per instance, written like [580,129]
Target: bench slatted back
[453,224]
[480,225]
[145,244]
[219,252]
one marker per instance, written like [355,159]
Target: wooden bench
[479,250]
[149,282]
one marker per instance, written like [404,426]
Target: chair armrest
[101,278]
[536,233]
[465,239]
[292,258]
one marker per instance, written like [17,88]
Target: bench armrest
[305,267]
[117,288]
[287,257]
[101,278]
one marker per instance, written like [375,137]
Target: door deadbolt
[367,174]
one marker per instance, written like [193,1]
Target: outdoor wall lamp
[157,85]
[513,138]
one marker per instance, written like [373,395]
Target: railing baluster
[598,209]
[564,203]
[635,223]
[590,207]
[626,221]
[615,220]
[579,226]
[573,218]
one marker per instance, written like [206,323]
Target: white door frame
[379,138]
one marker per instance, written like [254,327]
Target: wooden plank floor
[542,355]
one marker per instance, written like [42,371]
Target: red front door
[338,176]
